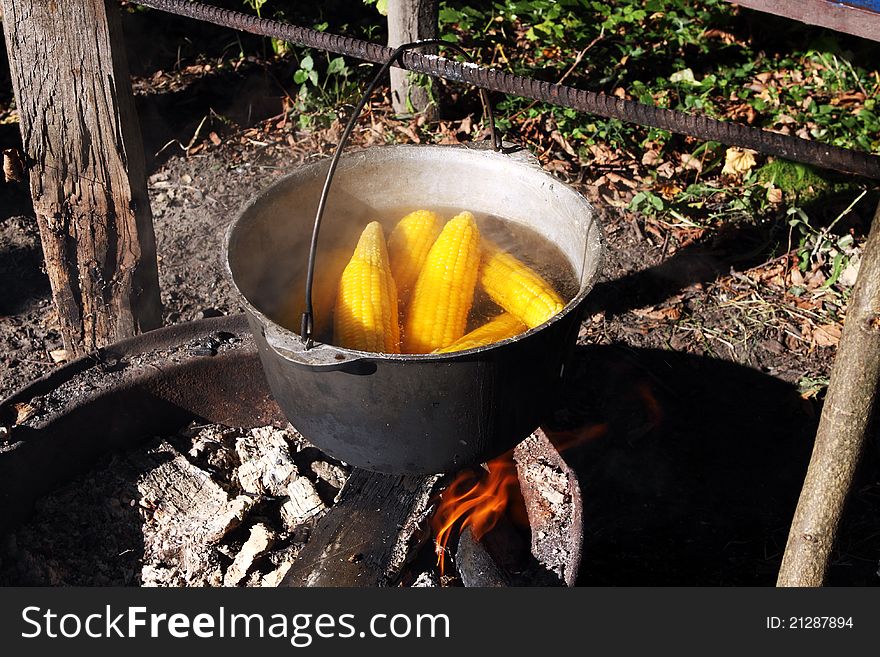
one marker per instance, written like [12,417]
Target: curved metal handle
[307,325]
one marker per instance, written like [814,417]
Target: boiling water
[335,250]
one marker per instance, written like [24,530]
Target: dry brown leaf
[23,412]
[826,335]
[688,161]
[814,279]
[658,313]
[669,191]
[725,37]
[738,161]
[774,195]
[651,158]
[214,137]
[667,170]
[58,355]
[616,178]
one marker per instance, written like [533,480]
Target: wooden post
[410,20]
[83,149]
[843,428]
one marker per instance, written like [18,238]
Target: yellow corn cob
[444,289]
[517,288]
[328,268]
[408,247]
[366,303]
[496,329]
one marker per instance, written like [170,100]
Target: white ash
[426,579]
[184,512]
[209,506]
[266,466]
[303,502]
[273,578]
[261,539]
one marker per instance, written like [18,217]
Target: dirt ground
[705,378]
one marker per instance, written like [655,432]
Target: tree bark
[410,20]
[843,428]
[83,149]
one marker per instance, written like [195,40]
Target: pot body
[424,413]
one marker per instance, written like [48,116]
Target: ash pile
[210,506]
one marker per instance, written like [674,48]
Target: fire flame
[479,498]
[476,499]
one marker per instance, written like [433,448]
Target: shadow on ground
[690,470]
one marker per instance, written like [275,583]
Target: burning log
[553,503]
[476,567]
[530,487]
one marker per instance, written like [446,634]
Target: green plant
[256,5]
[321,94]
[821,247]
[647,202]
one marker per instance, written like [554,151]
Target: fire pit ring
[120,397]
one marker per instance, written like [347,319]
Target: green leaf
[336,65]
[300,76]
[836,270]
[684,76]
[307,63]
[313,77]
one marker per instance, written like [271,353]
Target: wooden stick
[410,20]
[83,149]
[842,431]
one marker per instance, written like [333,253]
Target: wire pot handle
[307,325]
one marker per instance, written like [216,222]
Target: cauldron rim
[482,149]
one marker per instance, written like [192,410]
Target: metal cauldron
[420,413]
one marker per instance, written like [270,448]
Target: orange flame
[477,499]
[568,438]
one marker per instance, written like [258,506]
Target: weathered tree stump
[83,149]
[410,20]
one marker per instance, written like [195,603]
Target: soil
[695,392]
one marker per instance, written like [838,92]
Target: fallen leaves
[58,355]
[660,314]
[691,162]
[738,161]
[826,335]
[23,412]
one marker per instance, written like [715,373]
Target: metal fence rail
[701,127]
